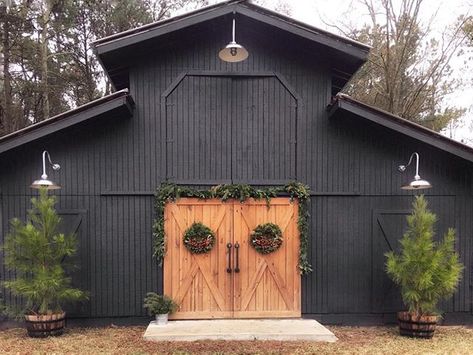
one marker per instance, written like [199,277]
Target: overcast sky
[323,13]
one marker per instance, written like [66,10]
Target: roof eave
[400,125]
[115,101]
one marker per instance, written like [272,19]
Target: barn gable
[117,52]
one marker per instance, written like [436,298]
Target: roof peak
[227,3]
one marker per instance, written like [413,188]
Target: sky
[326,13]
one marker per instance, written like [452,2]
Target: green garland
[199,239]
[266,238]
[172,192]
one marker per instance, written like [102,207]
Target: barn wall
[266,126]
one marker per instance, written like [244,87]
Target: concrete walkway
[240,329]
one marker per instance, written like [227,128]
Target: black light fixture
[233,52]
[418,183]
[44,182]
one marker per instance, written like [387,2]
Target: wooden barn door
[267,285]
[258,286]
[198,282]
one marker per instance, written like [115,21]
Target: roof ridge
[249,3]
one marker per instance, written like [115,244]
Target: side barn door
[75,221]
[388,228]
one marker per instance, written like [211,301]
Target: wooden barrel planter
[416,326]
[44,325]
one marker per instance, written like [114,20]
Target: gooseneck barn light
[44,182]
[233,52]
[418,183]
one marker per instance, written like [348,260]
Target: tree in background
[408,71]
[47,64]
[468,28]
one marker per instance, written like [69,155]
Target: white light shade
[45,184]
[233,53]
[417,184]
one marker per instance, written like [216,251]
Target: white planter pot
[161,319]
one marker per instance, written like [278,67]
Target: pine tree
[425,270]
[38,253]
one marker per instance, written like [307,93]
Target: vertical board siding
[243,129]
[230,128]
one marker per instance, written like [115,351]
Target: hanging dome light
[418,183]
[233,52]
[44,182]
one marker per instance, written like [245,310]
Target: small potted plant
[426,271]
[160,306]
[39,255]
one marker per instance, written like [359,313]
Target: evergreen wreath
[168,192]
[266,238]
[199,239]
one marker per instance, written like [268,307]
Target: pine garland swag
[266,238]
[168,192]
[199,239]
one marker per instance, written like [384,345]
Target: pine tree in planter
[425,270]
[38,253]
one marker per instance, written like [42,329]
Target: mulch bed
[127,340]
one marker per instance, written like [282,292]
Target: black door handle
[237,247]
[229,247]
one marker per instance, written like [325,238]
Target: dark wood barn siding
[239,128]
[264,123]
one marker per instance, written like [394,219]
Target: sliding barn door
[198,282]
[267,285]
[236,282]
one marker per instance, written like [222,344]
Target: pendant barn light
[44,182]
[418,183]
[233,52]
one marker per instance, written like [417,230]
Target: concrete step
[240,329]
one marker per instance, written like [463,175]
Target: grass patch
[127,340]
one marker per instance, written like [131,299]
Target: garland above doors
[170,192]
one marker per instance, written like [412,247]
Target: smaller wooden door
[198,282]
[267,285]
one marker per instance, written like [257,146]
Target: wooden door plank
[285,219]
[216,294]
[253,284]
[178,216]
[217,218]
[186,283]
[281,285]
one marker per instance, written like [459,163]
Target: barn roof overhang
[119,104]
[344,104]
[115,52]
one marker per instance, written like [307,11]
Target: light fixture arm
[403,168]
[233,31]
[53,165]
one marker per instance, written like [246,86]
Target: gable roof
[344,103]
[350,54]
[120,103]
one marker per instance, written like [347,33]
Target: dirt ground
[127,340]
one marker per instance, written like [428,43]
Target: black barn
[181,114]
